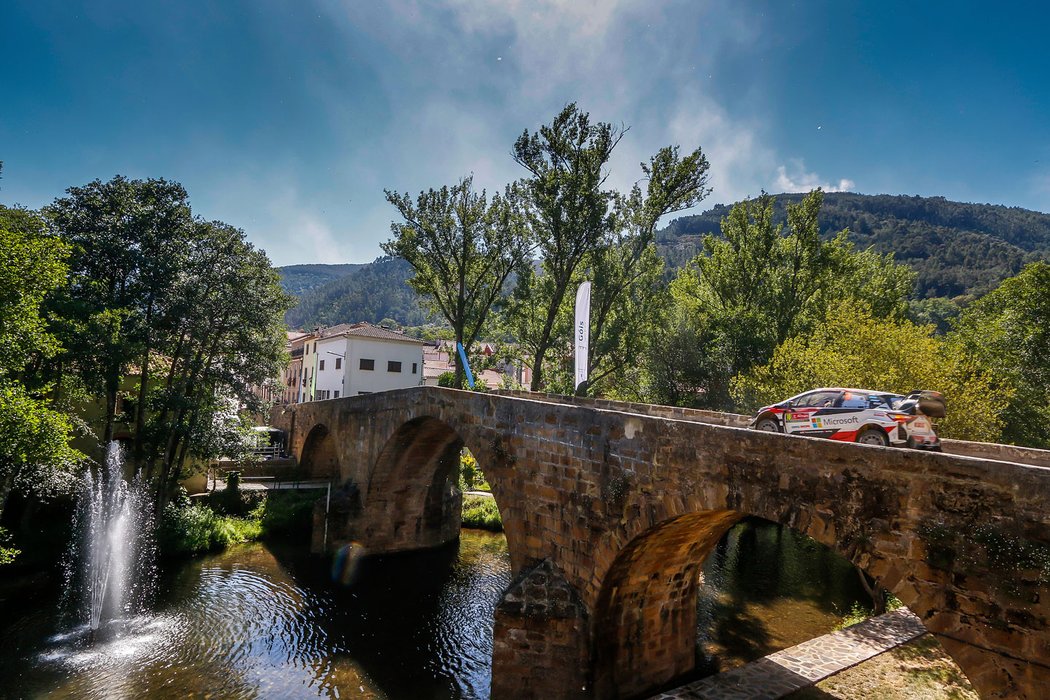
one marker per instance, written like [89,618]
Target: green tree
[129,240]
[629,294]
[462,248]
[1008,331]
[34,435]
[761,283]
[569,213]
[224,335]
[851,347]
[587,232]
[187,308]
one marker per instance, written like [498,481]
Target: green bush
[470,476]
[236,502]
[481,512]
[196,529]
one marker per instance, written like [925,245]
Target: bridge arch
[320,454]
[412,493]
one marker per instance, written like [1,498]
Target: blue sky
[288,119]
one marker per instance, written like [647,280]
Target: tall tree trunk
[545,338]
[140,407]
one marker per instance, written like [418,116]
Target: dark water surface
[264,622]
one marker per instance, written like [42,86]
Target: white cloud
[470,75]
[801,181]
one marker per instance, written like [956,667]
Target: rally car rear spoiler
[929,403]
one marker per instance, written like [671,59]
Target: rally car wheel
[873,436]
[768,424]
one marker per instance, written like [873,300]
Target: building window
[337,393]
[320,365]
[338,363]
[413,368]
[392,366]
[367,364]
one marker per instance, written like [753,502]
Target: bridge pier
[540,646]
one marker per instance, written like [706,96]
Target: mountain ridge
[958,249]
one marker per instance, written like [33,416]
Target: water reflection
[262,622]
[255,622]
[765,588]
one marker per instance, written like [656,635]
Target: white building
[351,360]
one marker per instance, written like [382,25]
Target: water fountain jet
[114,530]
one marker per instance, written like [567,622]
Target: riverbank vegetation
[233,516]
[479,508]
[481,513]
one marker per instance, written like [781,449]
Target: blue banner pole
[466,365]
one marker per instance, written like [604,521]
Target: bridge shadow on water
[766,587]
[417,624]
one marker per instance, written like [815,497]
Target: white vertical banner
[583,331]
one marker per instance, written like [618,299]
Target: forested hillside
[957,248]
[369,292]
[300,279]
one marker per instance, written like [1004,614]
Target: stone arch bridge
[610,510]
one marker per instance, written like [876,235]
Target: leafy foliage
[481,512]
[462,248]
[957,249]
[586,232]
[34,435]
[754,287]
[1008,332]
[8,552]
[197,529]
[188,308]
[471,477]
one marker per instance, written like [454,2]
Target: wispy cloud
[801,181]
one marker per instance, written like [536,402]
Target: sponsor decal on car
[833,421]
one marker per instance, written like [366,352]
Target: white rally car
[858,415]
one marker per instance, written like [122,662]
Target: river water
[259,621]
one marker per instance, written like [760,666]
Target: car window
[853,399]
[818,399]
[878,401]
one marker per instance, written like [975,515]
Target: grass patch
[858,613]
[480,512]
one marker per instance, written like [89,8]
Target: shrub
[236,502]
[470,476]
[7,551]
[481,512]
[198,529]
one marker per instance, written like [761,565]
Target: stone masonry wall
[964,542]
